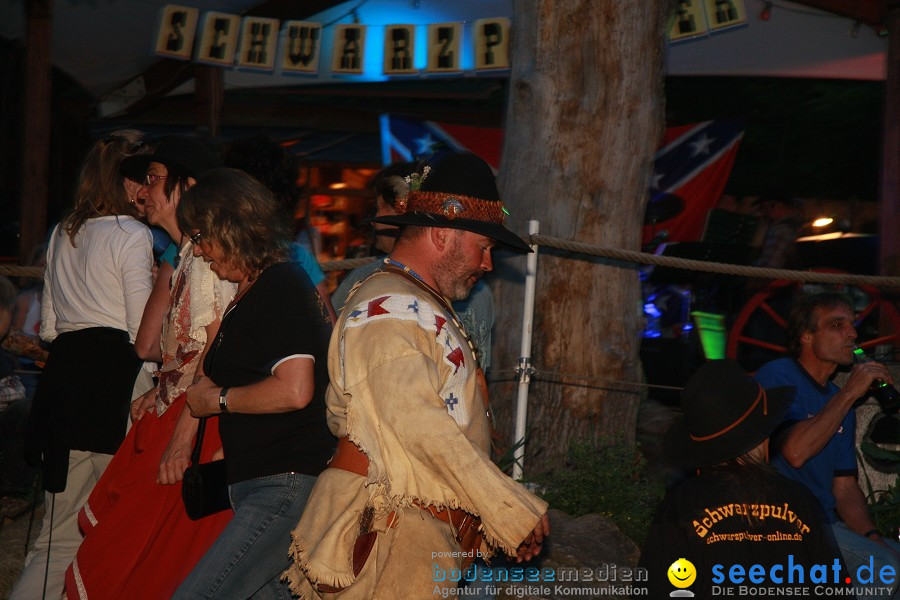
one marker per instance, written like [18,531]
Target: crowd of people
[355,444]
[218,350]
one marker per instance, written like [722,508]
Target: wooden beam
[889,207]
[209,97]
[36,129]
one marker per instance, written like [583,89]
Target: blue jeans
[251,553]
[859,551]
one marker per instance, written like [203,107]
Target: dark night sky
[804,137]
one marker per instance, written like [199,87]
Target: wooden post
[36,129]
[209,97]
[889,215]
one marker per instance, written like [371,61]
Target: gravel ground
[12,549]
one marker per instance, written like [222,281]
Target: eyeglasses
[195,238]
[151,178]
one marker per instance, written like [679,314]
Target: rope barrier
[714,267]
[628,256]
[583,380]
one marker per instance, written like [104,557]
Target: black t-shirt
[741,516]
[280,316]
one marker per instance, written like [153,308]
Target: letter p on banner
[491,44]
[177,28]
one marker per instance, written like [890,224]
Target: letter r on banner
[399,49]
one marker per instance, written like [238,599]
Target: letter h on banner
[259,39]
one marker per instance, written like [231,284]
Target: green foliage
[506,459]
[608,480]
[884,505]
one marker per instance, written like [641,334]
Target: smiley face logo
[682,573]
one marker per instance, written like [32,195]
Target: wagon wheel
[759,333]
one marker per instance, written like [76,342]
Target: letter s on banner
[177,28]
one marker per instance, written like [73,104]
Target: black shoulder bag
[203,489]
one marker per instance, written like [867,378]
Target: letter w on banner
[694,163]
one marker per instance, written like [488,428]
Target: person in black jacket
[737,522]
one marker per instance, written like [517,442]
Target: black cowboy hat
[191,154]
[725,414]
[459,192]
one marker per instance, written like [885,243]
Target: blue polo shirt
[838,457]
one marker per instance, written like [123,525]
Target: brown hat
[459,192]
[725,415]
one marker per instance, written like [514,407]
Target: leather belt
[349,457]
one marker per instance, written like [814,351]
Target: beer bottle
[886,394]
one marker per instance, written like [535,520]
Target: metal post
[524,369]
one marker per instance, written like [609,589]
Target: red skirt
[138,541]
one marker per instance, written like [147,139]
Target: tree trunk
[584,118]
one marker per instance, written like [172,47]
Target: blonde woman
[96,282]
[139,542]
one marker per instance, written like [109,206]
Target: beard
[454,280]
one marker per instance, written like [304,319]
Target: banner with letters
[269,45]
[695,18]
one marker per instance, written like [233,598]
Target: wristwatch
[223,400]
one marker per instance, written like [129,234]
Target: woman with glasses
[96,283]
[139,542]
[265,379]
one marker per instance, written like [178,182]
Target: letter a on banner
[218,43]
[349,49]
[443,47]
[302,43]
[177,27]
[688,20]
[259,38]
[399,49]
[491,44]
[725,13]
